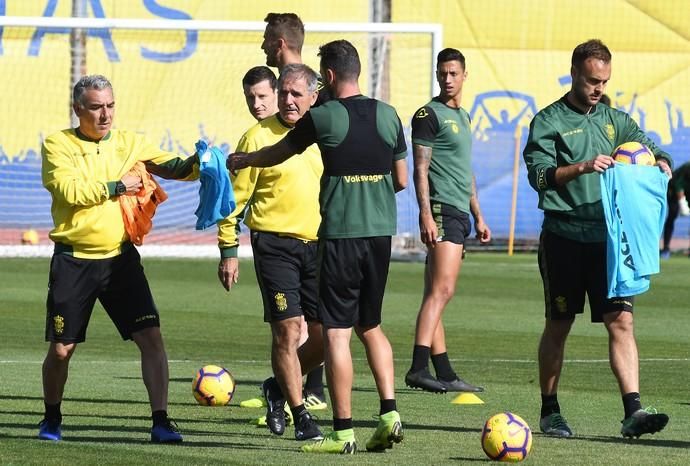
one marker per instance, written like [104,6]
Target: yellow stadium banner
[518,61]
[178,86]
[174,86]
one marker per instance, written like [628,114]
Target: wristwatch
[120,188]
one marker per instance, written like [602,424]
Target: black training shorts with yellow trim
[453,225]
[117,282]
[569,270]
[352,279]
[286,271]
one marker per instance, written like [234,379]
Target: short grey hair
[297,71]
[92,81]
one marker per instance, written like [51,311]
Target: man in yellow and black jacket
[85,169]
[280,205]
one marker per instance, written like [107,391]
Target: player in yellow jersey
[261,96]
[280,205]
[85,171]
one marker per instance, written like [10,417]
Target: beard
[584,99]
[271,60]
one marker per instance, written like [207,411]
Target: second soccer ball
[213,386]
[506,437]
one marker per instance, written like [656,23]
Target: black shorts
[352,279]
[286,271]
[570,269]
[118,283]
[452,224]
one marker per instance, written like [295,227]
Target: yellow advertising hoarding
[525,47]
[179,86]
[175,86]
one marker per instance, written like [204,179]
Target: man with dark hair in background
[282,44]
[260,94]
[259,87]
[447,195]
[677,199]
[568,148]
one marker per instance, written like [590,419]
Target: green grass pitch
[492,326]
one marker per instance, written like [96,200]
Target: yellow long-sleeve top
[283,199]
[81,174]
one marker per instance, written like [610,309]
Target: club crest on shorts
[58,325]
[281,302]
[561,304]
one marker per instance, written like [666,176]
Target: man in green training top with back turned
[363,150]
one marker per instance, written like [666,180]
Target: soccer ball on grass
[506,437]
[213,386]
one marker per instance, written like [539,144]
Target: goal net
[175,82]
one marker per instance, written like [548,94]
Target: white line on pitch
[255,361]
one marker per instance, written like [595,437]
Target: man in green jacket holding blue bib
[567,150]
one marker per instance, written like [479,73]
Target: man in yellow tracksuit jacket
[85,171]
[280,205]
